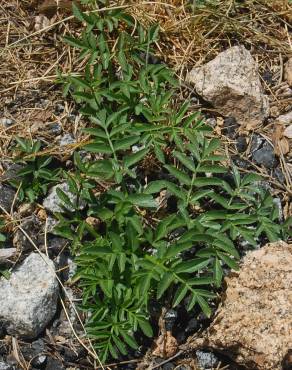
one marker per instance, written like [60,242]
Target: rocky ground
[238,73]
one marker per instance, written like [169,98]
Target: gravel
[265,156]
[7,196]
[206,360]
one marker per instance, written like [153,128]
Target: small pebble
[5,366]
[59,108]
[265,156]
[268,77]
[69,355]
[39,361]
[256,143]
[192,325]
[72,117]
[170,318]
[66,140]
[206,360]
[53,364]
[6,122]
[55,128]
[241,144]
[211,122]
[230,127]
[168,366]
[278,174]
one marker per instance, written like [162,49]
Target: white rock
[29,297]
[66,140]
[54,204]
[6,122]
[285,118]
[5,366]
[206,360]
[231,83]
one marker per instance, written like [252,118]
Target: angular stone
[54,204]
[231,83]
[5,366]
[29,297]
[33,228]
[253,325]
[285,118]
[265,156]
[7,195]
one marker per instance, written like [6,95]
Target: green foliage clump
[150,149]
[36,174]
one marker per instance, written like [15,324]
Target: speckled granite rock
[231,83]
[254,324]
[29,297]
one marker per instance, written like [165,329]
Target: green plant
[3,270]
[168,213]
[36,174]
[2,236]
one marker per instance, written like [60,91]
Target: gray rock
[206,360]
[211,122]
[241,144]
[33,228]
[278,174]
[11,171]
[29,297]
[55,128]
[59,108]
[54,204]
[230,127]
[6,122]
[51,224]
[168,366]
[231,83]
[170,318]
[66,140]
[5,366]
[39,361]
[7,196]
[57,244]
[53,364]
[256,143]
[265,156]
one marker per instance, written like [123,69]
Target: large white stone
[29,297]
[231,83]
